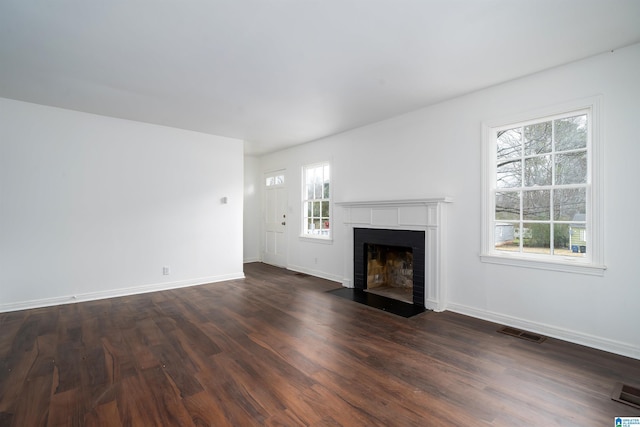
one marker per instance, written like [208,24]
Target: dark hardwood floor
[275,349]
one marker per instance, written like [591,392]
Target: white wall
[252,209]
[92,206]
[436,152]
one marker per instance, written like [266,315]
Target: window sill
[316,239]
[568,266]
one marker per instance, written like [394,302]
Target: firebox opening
[402,248]
[390,271]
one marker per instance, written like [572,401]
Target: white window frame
[303,232]
[593,262]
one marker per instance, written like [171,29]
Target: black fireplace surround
[400,238]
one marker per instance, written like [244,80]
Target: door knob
[283,223]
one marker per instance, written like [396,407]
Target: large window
[541,204]
[316,196]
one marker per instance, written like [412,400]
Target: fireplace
[390,263]
[420,222]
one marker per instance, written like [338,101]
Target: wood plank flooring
[275,349]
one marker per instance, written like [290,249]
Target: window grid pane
[544,167]
[537,138]
[571,133]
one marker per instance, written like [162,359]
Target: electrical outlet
[166,270]
[315,260]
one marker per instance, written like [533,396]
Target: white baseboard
[600,343]
[248,260]
[316,273]
[113,293]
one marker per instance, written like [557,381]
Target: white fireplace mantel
[428,215]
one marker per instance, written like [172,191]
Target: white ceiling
[282,72]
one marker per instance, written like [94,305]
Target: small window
[316,197]
[541,194]
[272,180]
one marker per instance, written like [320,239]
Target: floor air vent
[626,394]
[529,336]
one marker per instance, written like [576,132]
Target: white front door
[275,220]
